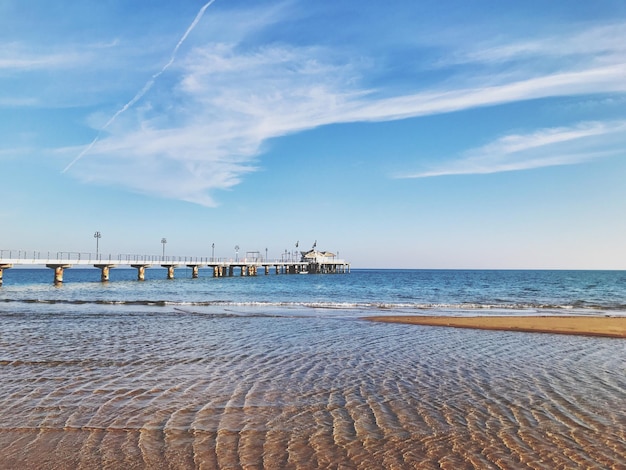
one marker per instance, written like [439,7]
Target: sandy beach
[614,327]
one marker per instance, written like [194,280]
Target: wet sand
[614,327]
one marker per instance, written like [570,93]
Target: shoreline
[611,327]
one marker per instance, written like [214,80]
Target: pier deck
[221,267]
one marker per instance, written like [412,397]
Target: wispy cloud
[541,148]
[15,57]
[597,43]
[17,102]
[147,86]
[207,131]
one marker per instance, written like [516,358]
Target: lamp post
[266,255]
[97,236]
[236,252]
[163,241]
[212,251]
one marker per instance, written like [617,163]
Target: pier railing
[61,260]
[77,257]
[38,257]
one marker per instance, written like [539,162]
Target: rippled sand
[173,390]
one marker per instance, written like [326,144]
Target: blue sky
[402,134]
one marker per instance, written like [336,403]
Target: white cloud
[541,148]
[36,61]
[207,131]
[17,102]
[18,57]
[598,43]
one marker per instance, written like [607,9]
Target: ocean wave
[324,305]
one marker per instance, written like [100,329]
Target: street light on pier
[97,236]
[212,251]
[266,255]
[236,252]
[163,241]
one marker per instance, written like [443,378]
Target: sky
[399,134]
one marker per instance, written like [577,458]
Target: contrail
[145,88]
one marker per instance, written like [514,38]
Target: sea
[284,371]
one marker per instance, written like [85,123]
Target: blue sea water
[360,292]
[280,371]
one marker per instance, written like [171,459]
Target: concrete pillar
[267,270]
[215,271]
[104,273]
[170,272]
[194,272]
[231,271]
[243,270]
[277,269]
[2,268]
[141,273]
[58,271]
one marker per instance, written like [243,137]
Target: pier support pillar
[194,271]
[104,271]
[243,270]
[267,270]
[215,271]
[58,275]
[170,270]
[2,268]
[141,271]
[58,271]
[231,271]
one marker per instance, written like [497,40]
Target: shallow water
[172,389]
[280,372]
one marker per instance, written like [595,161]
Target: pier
[311,262]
